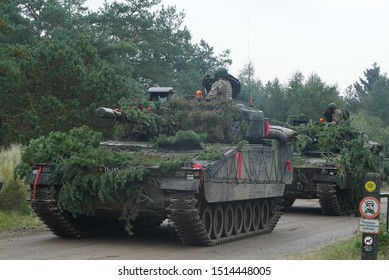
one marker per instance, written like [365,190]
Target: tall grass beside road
[15,212]
[13,195]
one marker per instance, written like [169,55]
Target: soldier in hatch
[221,89]
[334,115]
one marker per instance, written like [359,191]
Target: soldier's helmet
[332,106]
[221,72]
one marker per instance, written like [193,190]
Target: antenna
[248,37]
[249,63]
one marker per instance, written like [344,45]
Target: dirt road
[302,228]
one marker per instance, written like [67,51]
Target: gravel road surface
[300,229]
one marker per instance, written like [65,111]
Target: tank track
[328,198]
[183,212]
[44,204]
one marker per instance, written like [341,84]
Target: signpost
[370,208]
[369,226]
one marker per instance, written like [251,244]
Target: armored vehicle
[330,164]
[315,176]
[208,199]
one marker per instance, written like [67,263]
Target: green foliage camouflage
[210,121]
[241,145]
[77,158]
[211,154]
[182,138]
[325,137]
[342,146]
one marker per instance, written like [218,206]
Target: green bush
[13,197]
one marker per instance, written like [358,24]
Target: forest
[60,61]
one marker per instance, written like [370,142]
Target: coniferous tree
[251,87]
[59,61]
[312,97]
[359,95]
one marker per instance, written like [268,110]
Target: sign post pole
[370,211]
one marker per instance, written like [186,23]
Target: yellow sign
[370,186]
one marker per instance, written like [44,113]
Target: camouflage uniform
[337,115]
[221,89]
[333,114]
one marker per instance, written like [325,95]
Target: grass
[344,250]
[15,212]
[350,249]
[9,159]
[13,195]
[14,220]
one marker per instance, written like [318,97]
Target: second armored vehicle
[330,164]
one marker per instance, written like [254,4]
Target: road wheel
[238,218]
[206,218]
[247,217]
[228,220]
[265,214]
[256,215]
[218,222]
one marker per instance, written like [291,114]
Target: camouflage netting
[146,120]
[343,147]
